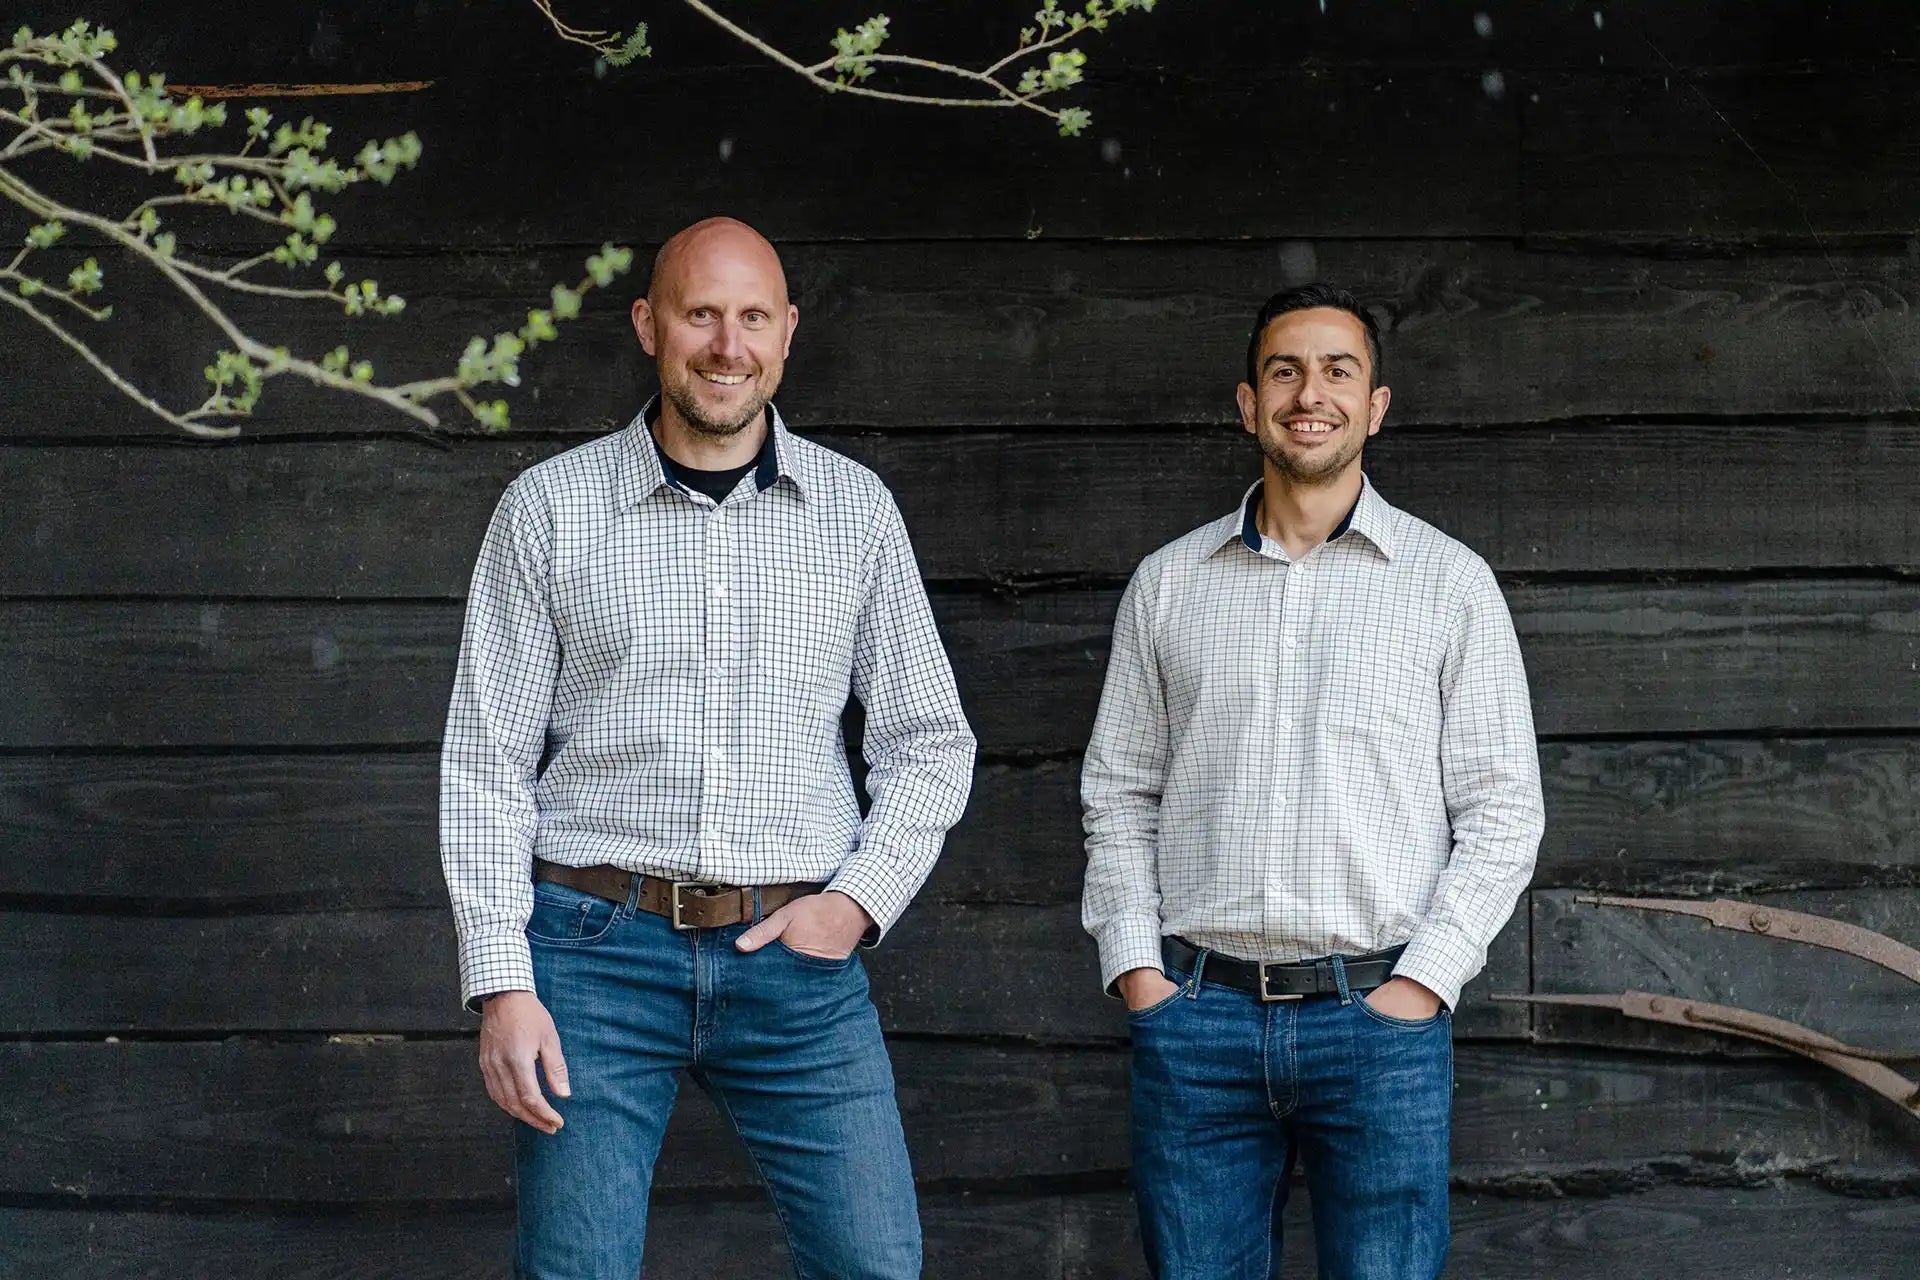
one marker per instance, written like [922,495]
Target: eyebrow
[1332,358]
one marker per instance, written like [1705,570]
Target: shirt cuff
[878,894]
[1442,960]
[1126,943]
[493,962]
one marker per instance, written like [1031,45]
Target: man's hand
[1405,999]
[515,1031]
[828,925]
[1144,988]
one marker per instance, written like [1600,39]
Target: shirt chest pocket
[808,623]
[1384,682]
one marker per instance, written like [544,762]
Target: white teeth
[724,379]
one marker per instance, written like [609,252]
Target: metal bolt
[1656,1005]
[1760,920]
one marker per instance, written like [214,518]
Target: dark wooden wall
[1650,273]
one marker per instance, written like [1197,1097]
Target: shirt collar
[642,473]
[1371,517]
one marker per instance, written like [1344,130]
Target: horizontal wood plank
[1782,155]
[1790,1232]
[1030,334]
[945,970]
[1615,659]
[1607,950]
[323,1124]
[345,519]
[346,831]
[359,40]
[801,164]
[406,1122]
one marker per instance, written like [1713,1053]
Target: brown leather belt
[1273,982]
[689,904]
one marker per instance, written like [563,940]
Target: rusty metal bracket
[1867,1066]
[1793,926]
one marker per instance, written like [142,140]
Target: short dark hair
[1305,298]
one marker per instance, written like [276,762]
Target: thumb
[555,1065]
[764,932]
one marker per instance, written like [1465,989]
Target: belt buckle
[1274,997]
[674,913]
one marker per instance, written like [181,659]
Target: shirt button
[1286,724]
[716,755]
[1292,643]
[1279,802]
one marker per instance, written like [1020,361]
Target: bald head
[715,242]
[718,323]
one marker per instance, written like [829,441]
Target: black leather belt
[1282,981]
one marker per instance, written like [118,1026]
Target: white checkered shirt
[656,682]
[1300,758]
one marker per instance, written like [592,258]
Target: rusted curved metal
[1868,1066]
[1794,926]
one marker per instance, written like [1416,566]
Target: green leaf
[87,277]
[1074,121]
[566,303]
[633,47]
[492,415]
[46,234]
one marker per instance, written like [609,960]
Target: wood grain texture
[945,970]
[1580,947]
[1028,334]
[1781,155]
[1615,659]
[345,519]
[351,830]
[802,164]
[362,39]
[1790,1232]
[408,1123]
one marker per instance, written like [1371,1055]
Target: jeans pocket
[1160,1006]
[565,917]
[817,962]
[1402,1024]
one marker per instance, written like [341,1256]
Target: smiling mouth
[722,379]
[1312,427]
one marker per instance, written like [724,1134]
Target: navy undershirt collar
[1250,525]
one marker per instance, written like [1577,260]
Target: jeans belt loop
[1340,979]
[1199,968]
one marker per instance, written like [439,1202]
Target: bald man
[649,832]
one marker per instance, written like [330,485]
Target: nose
[1312,392]
[729,343]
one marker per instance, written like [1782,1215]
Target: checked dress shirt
[655,681]
[1295,758]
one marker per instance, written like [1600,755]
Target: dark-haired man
[648,828]
[1312,797]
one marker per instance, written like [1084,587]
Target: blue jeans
[1228,1091]
[787,1045]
